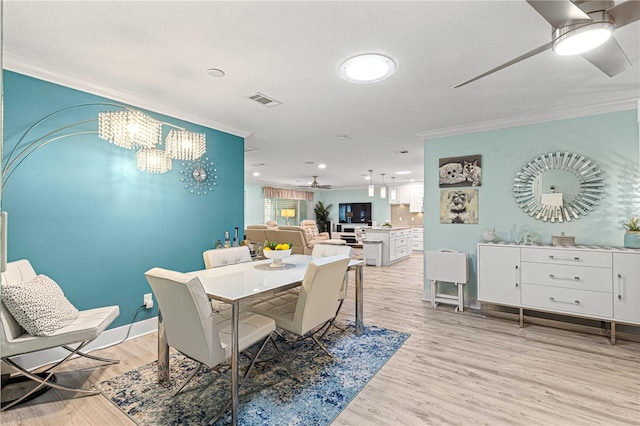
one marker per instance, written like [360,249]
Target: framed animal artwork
[459,206]
[460,171]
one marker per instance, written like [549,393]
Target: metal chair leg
[46,381]
[187,381]
[108,361]
[284,362]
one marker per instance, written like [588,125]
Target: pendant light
[393,194]
[372,188]
[383,189]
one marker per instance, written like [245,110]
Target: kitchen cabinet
[416,198]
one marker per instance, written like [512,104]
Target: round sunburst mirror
[558,187]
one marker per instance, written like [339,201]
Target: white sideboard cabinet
[586,281]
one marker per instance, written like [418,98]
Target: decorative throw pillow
[39,305]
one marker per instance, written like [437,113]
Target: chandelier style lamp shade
[372,189]
[383,188]
[129,129]
[184,145]
[153,160]
[393,194]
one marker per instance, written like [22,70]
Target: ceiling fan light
[582,39]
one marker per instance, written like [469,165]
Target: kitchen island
[396,242]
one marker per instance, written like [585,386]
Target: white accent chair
[192,328]
[15,341]
[215,258]
[315,304]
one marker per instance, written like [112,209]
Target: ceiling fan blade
[625,13]
[609,58]
[507,64]
[559,13]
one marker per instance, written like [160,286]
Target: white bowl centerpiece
[277,252]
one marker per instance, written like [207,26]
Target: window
[273,210]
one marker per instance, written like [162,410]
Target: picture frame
[460,171]
[459,206]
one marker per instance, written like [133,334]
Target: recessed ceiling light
[403,172]
[215,72]
[256,173]
[342,137]
[322,166]
[309,162]
[367,178]
[369,68]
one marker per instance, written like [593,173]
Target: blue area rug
[329,385]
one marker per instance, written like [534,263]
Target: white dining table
[233,284]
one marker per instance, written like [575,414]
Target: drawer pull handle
[619,286]
[572,259]
[572,302]
[558,277]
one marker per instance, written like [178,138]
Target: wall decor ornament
[459,206]
[199,177]
[460,171]
[558,187]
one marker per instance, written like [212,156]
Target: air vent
[248,149]
[399,152]
[265,100]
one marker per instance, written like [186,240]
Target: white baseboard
[107,338]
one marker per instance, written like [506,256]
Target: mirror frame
[587,173]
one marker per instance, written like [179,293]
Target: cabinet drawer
[582,302]
[400,233]
[578,277]
[417,245]
[567,257]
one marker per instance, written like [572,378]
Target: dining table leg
[235,316]
[359,299]
[163,352]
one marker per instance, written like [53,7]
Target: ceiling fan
[582,21]
[316,185]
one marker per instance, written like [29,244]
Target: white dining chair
[192,328]
[215,258]
[324,250]
[315,304]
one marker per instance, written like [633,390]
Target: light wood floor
[456,368]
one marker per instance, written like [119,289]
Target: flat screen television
[354,213]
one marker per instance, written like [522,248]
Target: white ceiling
[156,54]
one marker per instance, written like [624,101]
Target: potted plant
[632,236]
[322,216]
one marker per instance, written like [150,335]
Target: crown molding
[24,66]
[542,117]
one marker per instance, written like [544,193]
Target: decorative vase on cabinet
[632,234]
[632,239]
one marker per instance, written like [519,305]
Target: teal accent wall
[611,140]
[83,214]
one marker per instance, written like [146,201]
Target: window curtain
[287,194]
[276,199]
